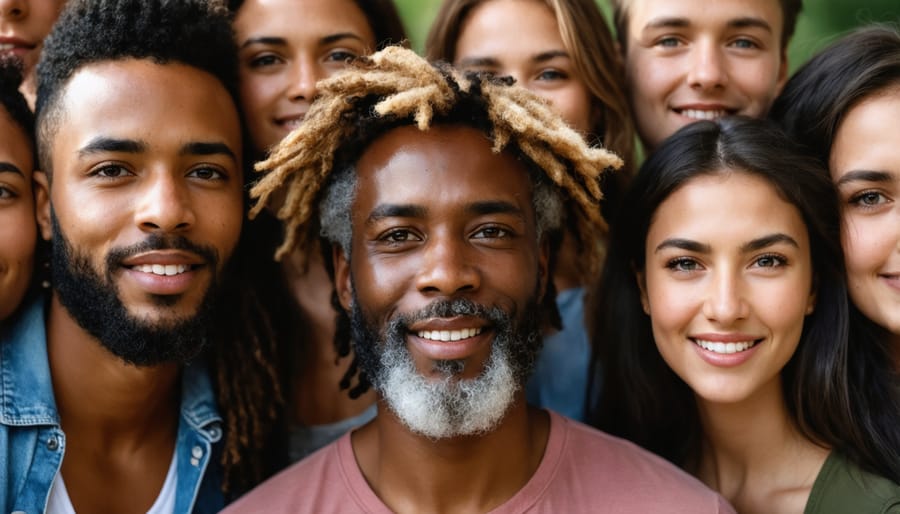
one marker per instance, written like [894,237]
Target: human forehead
[719,14]
[723,207]
[486,29]
[405,164]
[138,99]
[300,20]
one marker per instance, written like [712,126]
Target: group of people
[260,256]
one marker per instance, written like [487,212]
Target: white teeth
[162,269]
[702,115]
[725,347]
[448,335]
[6,46]
[292,124]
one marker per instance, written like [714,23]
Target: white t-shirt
[59,502]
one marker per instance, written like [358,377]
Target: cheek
[673,306]
[866,248]
[574,105]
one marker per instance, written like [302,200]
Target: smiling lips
[725,348]
[448,335]
[14,46]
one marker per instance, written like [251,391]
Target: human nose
[445,270]
[707,68]
[165,204]
[304,75]
[13,9]
[725,302]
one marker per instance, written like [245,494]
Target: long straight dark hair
[643,399]
[814,103]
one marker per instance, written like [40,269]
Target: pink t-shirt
[583,470]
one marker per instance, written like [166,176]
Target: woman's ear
[42,203]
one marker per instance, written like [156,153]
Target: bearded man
[442,196]
[106,406]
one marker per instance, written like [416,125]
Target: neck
[126,403]
[412,473]
[752,451]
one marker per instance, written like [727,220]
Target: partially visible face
[865,165]
[286,46]
[444,281]
[727,285]
[146,198]
[492,40]
[689,60]
[18,229]
[23,26]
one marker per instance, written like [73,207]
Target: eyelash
[780,260]
[7,193]
[858,198]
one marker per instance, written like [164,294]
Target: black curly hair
[192,32]
[198,34]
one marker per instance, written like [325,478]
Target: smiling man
[105,407]
[439,194]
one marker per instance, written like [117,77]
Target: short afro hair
[196,33]
[13,100]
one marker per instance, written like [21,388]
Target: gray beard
[450,406]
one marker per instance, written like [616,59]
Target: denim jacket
[32,444]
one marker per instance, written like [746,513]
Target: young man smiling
[689,60]
[439,197]
[104,408]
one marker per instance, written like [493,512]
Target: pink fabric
[583,470]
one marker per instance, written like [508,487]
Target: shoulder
[317,483]
[627,478]
[842,486]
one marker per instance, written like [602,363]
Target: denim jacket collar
[26,388]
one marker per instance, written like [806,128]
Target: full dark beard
[93,301]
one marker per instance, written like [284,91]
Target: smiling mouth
[703,114]
[726,348]
[163,269]
[448,335]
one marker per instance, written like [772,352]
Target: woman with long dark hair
[724,326]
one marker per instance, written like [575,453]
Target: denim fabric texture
[33,445]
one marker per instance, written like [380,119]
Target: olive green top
[843,488]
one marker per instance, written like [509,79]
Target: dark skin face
[437,215]
[136,156]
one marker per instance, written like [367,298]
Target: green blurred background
[820,22]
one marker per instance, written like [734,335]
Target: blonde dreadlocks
[397,86]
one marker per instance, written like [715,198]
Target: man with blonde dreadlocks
[439,194]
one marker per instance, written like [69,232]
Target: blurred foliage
[820,22]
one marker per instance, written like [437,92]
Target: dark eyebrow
[396,211]
[864,176]
[494,207]
[264,40]
[478,61]
[684,244]
[204,148]
[750,22]
[8,167]
[108,144]
[339,36]
[767,241]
